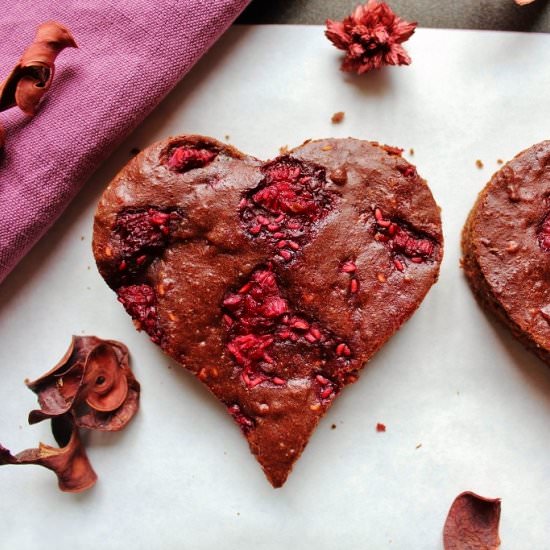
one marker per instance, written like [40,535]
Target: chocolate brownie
[506,247]
[273,282]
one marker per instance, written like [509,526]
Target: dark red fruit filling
[408,171]
[350,269]
[242,420]
[404,242]
[140,302]
[266,336]
[544,234]
[186,158]
[397,151]
[284,207]
[143,235]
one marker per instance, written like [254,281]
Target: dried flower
[94,381]
[371,37]
[91,387]
[33,75]
[472,523]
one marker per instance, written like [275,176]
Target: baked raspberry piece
[273,282]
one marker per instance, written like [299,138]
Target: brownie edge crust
[506,248]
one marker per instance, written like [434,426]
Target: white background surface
[181,476]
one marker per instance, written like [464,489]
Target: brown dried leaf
[69,462]
[472,523]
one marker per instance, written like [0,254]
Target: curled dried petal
[69,462]
[371,37]
[106,384]
[33,75]
[472,523]
[93,380]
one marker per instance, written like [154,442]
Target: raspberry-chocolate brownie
[273,282]
[506,248]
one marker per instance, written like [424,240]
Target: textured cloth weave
[131,54]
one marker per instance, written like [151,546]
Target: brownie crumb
[500,161]
[333,427]
[479,164]
[337,117]
[411,152]
[418,446]
[134,151]
[227,137]
[284,150]
[380,427]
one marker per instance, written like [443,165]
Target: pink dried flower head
[371,37]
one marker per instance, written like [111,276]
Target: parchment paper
[466,408]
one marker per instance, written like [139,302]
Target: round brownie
[506,247]
[273,282]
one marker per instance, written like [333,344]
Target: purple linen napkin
[131,54]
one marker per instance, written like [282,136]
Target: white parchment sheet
[466,408]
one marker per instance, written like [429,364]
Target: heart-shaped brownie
[273,282]
[506,247]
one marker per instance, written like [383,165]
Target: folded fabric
[131,54]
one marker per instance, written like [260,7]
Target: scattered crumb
[500,161]
[88,288]
[89,268]
[380,427]
[337,117]
[238,513]
[333,427]
[134,151]
[82,237]
[20,427]
[411,152]
[227,137]
[418,446]
[479,164]
[283,150]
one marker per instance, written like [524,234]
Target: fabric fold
[131,54]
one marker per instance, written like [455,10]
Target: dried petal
[94,380]
[69,462]
[524,2]
[105,383]
[472,523]
[371,37]
[32,76]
